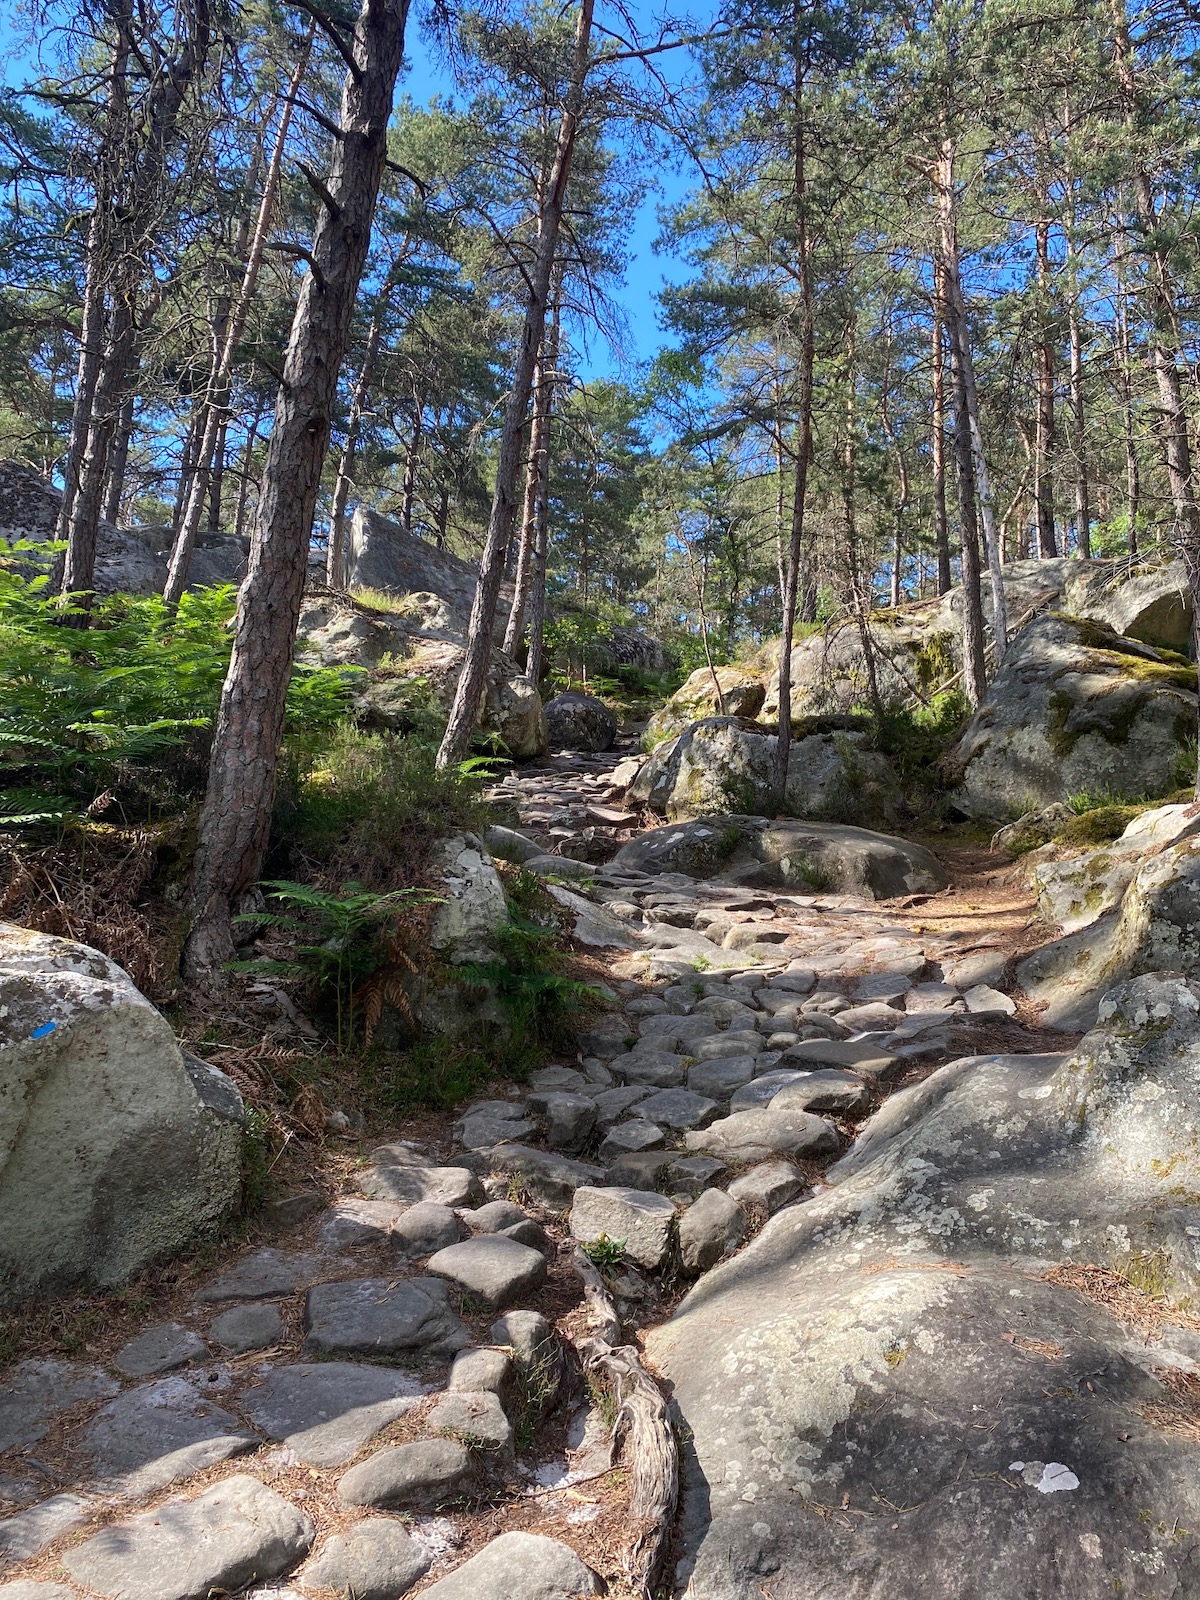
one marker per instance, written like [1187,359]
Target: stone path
[359,1409]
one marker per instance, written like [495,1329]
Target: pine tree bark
[162,131]
[941,522]
[804,432]
[118,463]
[1044,439]
[537,478]
[464,711]
[235,821]
[216,401]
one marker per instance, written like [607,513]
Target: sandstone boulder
[803,856]
[737,692]
[1075,708]
[115,1148]
[831,1379]
[577,721]
[726,764]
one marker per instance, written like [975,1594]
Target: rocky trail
[901,1360]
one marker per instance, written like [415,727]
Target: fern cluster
[125,707]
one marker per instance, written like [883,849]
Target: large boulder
[722,692]
[380,555]
[726,764]
[805,856]
[115,1148]
[1075,887]
[128,560]
[577,721]
[915,651]
[1075,708]
[413,652]
[886,1393]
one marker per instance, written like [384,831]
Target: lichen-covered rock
[830,1379]
[115,1148]
[724,764]
[1075,708]
[735,693]
[577,721]
[804,856]
[472,901]
[1074,890]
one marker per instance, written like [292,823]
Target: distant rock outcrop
[128,561]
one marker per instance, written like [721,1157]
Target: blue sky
[647,268]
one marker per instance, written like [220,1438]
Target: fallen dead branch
[641,1421]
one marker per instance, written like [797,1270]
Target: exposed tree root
[641,1424]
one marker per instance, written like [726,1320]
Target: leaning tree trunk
[960,338]
[539,442]
[1044,438]
[467,697]
[941,522]
[216,404]
[804,438]
[163,128]
[235,821]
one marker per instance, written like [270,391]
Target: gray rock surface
[236,1533]
[710,1227]
[518,1566]
[914,1288]
[34,1392]
[158,1433]
[29,1532]
[381,1316]
[160,1349]
[32,1589]
[641,1222]
[424,1228]
[735,693]
[480,1371]
[261,1273]
[352,1224]
[407,1185]
[497,1269]
[326,1411]
[749,1136]
[577,721]
[527,1334]
[375,1559]
[828,1090]
[426,1473]
[545,1176]
[753,850]
[248,1327]
[566,1118]
[1074,708]
[678,1109]
[725,764]
[145,1146]
[476,1418]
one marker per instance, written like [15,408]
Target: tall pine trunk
[536,473]
[236,819]
[1044,438]
[468,695]
[335,559]
[941,522]
[216,401]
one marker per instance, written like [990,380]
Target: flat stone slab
[159,1433]
[719,1079]
[518,1566]
[640,1221]
[445,1186]
[678,1108]
[325,1411]
[712,1226]
[497,1269]
[769,1186]
[828,1089]
[31,1589]
[236,1533]
[423,1474]
[375,1559]
[985,1001]
[254,1326]
[160,1349]
[653,1069]
[861,1055]
[755,1135]
[424,1228]
[381,1316]
[483,1130]
[692,1174]
[762,1090]
[494,1217]
[262,1274]
[613,1104]
[627,1137]
[477,1419]
[37,1391]
[352,1224]
[547,1177]
[29,1532]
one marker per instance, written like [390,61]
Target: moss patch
[1100,826]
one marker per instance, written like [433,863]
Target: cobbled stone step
[518,1566]
[325,1411]
[375,1559]
[382,1317]
[424,1474]
[497,1269]
[236,1533]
